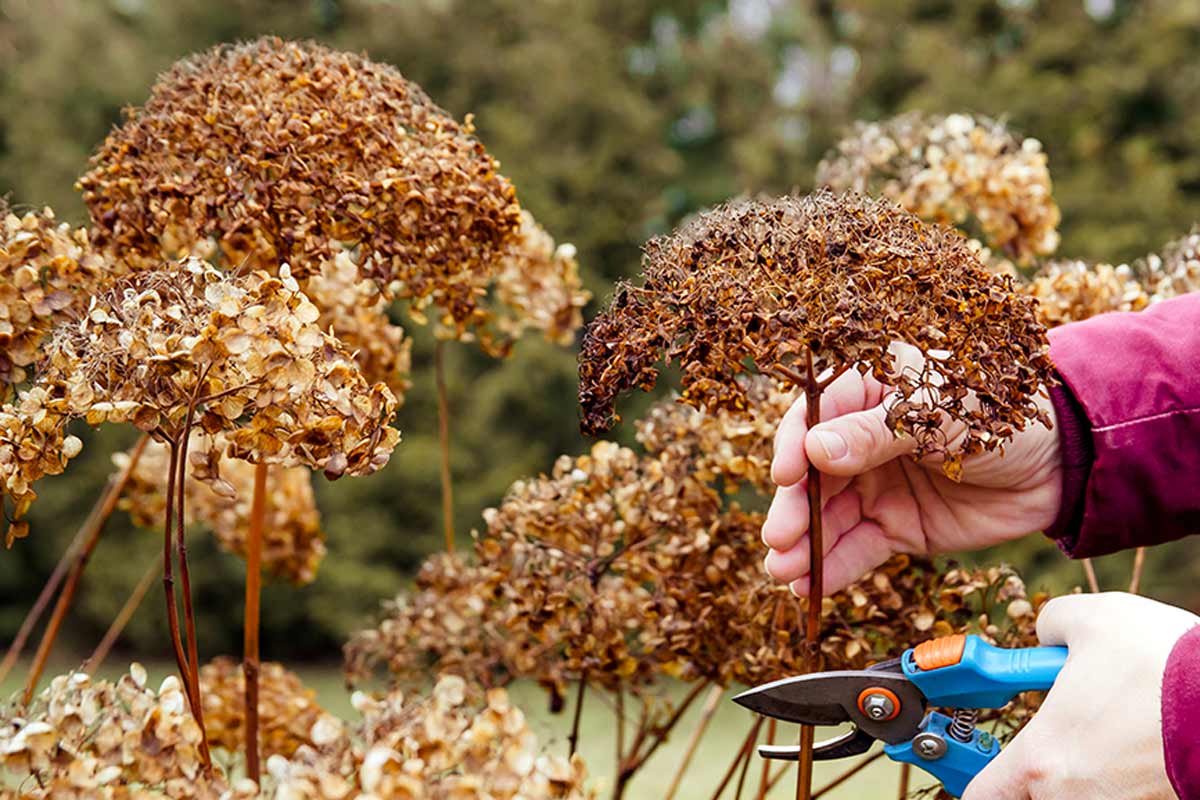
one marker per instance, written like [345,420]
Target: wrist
[1076,453]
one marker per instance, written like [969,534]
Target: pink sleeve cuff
[1181,715]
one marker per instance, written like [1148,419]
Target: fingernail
[835,446]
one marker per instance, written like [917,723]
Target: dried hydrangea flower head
[1069,291]
[954,169]
[1175,271]
[288,708]
[286,151]
[538,286]
[218,492]
[98,740]
[46,268]
[459,743]
[354,310]
[733,447]
[801,287]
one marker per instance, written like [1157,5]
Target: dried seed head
[761,285]
[954,169]
[1175,271]
[245,349]
[271,152]
[219,492]
[46,269]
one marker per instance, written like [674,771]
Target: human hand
[879,501]
[1099,733]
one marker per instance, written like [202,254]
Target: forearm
[1129,417]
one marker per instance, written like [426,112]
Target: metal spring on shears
[962,726]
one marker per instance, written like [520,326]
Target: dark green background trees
[615,118]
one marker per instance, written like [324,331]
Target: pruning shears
[888,701]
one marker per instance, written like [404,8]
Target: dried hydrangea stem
[905,776]
[1089,569]
[444,443]
[122,619]
[764,781]
[169,575]
[250,666]
[847,775]
[95,526]
[1139,563]
[816,553]
[573,740]
[744,753]
[698,731]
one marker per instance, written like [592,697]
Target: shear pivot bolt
[878,707]
[929,746]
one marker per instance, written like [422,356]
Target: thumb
[1007,776]
[854,443]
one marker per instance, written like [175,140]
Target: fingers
[1062,617]
[854,443]
[787,518]
[841,514]
[861,549]
[847,394]
[1008,776]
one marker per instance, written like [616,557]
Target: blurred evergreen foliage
[615,119]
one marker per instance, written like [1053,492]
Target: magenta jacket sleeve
[1128,410]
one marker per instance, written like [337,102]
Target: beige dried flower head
[280,151]
[1069,291]
[538,286]
[239,354]
[823,284]
[46,269]
[459,743]
[1175,271]
[106,741]
[289,712]
[954,169]
[219,492]
[355,311]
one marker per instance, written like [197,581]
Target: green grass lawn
[725,734]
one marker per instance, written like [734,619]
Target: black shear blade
[851,743]
[806,698]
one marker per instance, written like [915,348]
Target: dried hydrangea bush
[955,169]
[218,492]
[248,147]
[46,269]
[802,287]
[1174,271]
[94,739]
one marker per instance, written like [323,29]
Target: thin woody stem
[122,619]
[94,527]
[444,443]
[1139,563]
[847,775]
[737,793]
[43,599]
[706,714]
[664,731]
[764,784]
[816,554]
[905,777]
[169,575]
[630,763]
[1090,570]
[620,710]
[574,738]
[744,752]
[250,661]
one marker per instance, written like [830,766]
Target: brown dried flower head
[289,711]
[106,741]
[219,491]
[46,269]
[239,354]
[1175,271]
[538,286]
[1069,291]
[290,152]
[454,745]
[771,285]
[953,169]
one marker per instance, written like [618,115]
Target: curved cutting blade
[831,698]
[851,743]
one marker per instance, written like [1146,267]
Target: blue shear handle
[957,764]
[986,676]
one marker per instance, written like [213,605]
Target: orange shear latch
[943,652]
